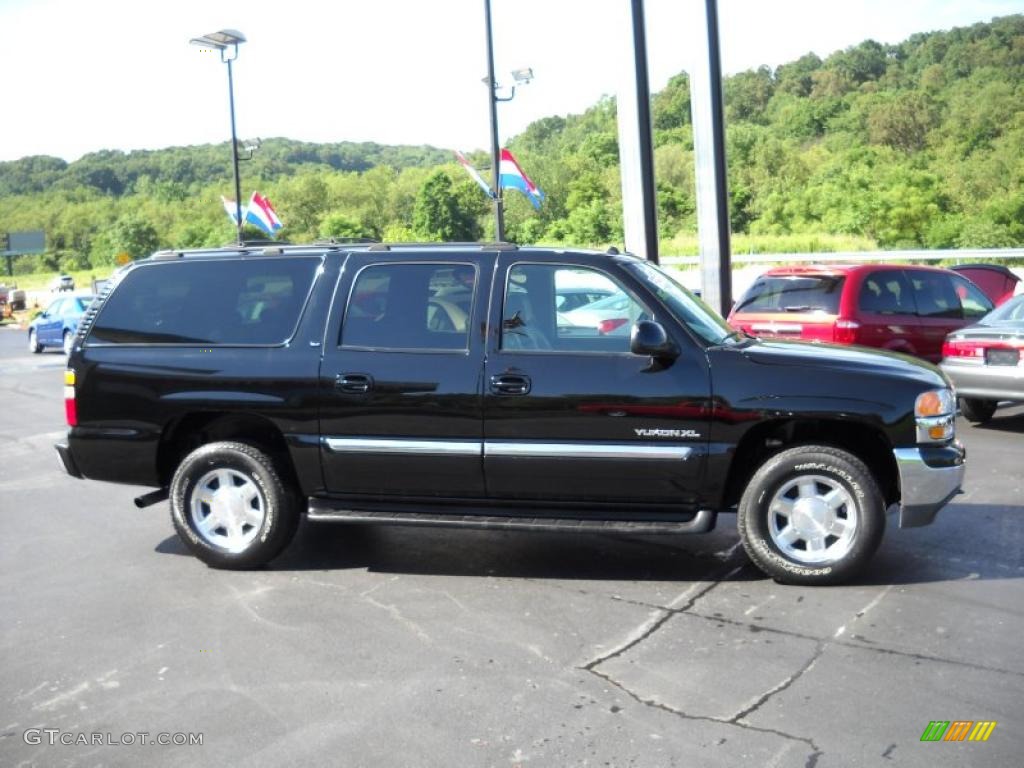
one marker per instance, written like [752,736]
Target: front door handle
[354,383]
[510,384]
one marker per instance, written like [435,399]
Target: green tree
[437,215]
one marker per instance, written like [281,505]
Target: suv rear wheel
[811,515]
[230,506]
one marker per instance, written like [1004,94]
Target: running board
[321,510]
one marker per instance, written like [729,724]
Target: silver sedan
[986,360]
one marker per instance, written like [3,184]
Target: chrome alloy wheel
[813,519]
[227,509]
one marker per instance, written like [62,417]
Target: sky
[77,77]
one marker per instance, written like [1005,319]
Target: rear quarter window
[793,293]
[227,302]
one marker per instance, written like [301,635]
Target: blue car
[57,325]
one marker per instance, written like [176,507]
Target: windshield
[688,309]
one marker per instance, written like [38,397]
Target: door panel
[938,309]
[401,409]
[571,415]
[887,313]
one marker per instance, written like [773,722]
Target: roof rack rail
[254,243]
[345,241]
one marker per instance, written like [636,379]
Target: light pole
[226,41]
[521,77]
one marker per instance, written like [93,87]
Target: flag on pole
[232,209]
[261,213]
[475,174]
[511,176]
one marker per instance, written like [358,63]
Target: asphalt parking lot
[409,647]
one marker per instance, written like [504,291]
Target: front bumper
[68,460]
[929,477]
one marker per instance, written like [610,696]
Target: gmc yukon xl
[442,385]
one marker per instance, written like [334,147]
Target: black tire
[976,410]
[820,467]
[250,469]
[33,343]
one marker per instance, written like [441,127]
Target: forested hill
[117,173]
[918,144]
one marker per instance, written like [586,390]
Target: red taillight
[845,331]
[70,409]
[976,349]
[607,326]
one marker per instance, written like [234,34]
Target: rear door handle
[510,384]
[353,383]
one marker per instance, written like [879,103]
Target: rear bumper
[929,478]
[990,382]
[68,460]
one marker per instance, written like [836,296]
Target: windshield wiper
[802,308]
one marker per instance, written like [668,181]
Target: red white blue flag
[261,213]
[511,176]
[474,174]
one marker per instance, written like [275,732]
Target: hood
[855,360]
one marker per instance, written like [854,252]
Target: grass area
[40,281]
[688,244]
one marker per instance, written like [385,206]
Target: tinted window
[934,295]
[973,302]
[886,293]
[236,301]
[533,318]
[794,293]
[410,306]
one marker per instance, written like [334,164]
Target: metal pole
[645,140]
[709,155]
[234,150]
[492,99]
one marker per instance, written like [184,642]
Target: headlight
[935,413]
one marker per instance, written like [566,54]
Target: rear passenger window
[410,307]
[886,293]
[934,295]
[228,301]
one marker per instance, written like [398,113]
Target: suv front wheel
[811,515]
[230,506]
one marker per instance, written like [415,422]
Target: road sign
[18,243]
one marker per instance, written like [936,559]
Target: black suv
[443,385]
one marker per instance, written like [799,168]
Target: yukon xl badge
[690,433]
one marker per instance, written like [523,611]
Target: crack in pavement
[660,615]
[819,649]
[812,759]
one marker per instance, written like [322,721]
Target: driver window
[567,309]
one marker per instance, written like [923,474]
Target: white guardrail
[954,254]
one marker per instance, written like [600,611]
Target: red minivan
[903,308]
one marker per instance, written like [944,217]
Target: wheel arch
[866,442]
[192,430]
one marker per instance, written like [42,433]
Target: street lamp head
[219,40]
[522,76]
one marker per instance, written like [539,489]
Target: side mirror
[649,338]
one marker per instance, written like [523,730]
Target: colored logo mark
[958,730]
